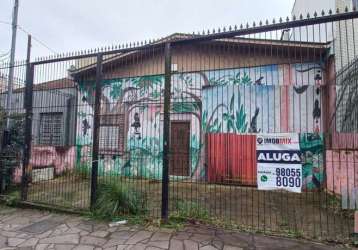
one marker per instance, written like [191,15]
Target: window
[355,4]
[111,135]
[50,129]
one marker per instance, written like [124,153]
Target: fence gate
[177,126]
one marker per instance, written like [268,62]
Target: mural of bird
[253,123]
[136,124]
[316,110]
[259,81]
[85,126]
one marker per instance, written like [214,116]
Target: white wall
[310,6]
[316,33]
[343,34]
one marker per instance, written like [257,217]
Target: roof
[236,40]
[64,83]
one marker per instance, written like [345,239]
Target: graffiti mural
[61,159]
[261,109]
[312,150]
[243,100]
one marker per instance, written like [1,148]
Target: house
[18,83]
[236,86]
[342,143]
[53,125]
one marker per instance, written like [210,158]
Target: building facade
[247,91]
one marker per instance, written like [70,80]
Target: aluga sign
[279,162]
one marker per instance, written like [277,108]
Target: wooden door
[179,148]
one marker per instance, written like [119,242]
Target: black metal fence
[173,126]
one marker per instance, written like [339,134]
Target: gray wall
[49,101]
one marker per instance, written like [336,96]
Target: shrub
[191,210]
[114,199]
[83,170]
[10,154]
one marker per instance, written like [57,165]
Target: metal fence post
[28,123]
[166,132]
[96,127]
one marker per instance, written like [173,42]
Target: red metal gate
[231,158]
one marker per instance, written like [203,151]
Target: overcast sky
[71,25]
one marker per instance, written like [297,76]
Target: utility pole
[28,121]
[12,63]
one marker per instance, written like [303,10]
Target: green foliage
[312,147]
[83,170]
[241,124]
[146,83]
[190,210]
[10,155]
[234,119]
[236,79]
[116,89]
[115,198]
[183,107]
[12,197]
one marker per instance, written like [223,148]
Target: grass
[190,210]
[311,214]
[114,199]
[12,196]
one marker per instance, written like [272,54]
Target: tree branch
[212,114]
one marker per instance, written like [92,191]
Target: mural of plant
[145,158]
[143,96]
[233,119]
[312,148]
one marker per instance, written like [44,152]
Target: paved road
[33,229]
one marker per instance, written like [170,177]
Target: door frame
[189,152]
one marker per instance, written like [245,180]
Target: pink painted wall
[342,174]
[344,141]
[61,158]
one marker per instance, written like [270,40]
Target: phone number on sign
[288,177]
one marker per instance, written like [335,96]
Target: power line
[5,54]
[36,39]
[33,37]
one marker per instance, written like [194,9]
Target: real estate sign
[279,162]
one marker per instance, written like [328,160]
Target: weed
[12,197]
[114,199]
[189,210]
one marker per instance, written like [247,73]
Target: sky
[74,25]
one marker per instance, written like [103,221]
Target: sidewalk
[33,229]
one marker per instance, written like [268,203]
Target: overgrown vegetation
[115,199]
[10,154]
[12,197]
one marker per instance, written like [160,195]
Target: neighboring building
[343,34]
[18,83]
[3,83]
[343,37]
[262,92]
[54,105]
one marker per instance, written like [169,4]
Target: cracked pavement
[35,229]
